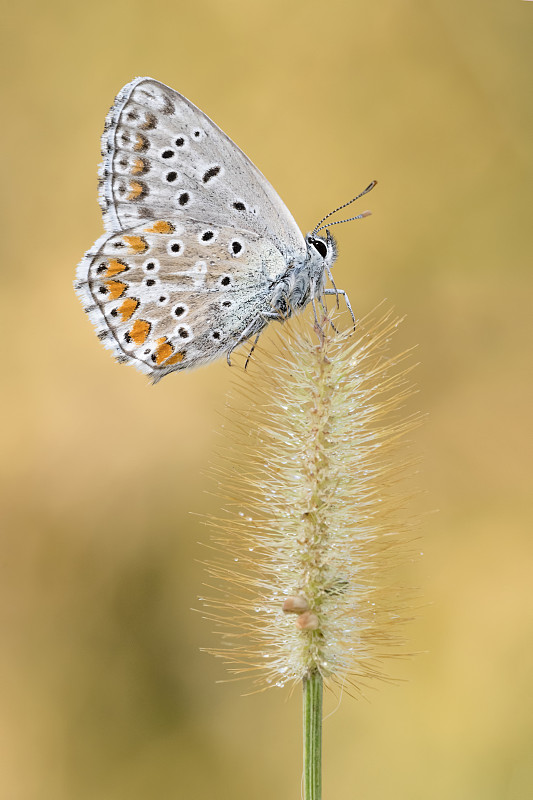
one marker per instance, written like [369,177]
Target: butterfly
[200,253]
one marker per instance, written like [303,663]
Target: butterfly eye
[319,246]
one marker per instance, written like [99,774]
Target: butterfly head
[321,250]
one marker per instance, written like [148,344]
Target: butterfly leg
[314,311]
[252,350]
[325,310]
[338,292]
[335,290]
[258,322]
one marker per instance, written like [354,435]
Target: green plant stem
[312,708]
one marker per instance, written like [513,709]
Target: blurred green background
[104,692]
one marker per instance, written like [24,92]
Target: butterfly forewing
[164,157]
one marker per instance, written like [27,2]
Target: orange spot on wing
[116,289]
[136,243]
[114,267]
[163,350]
[136,190]
[141,143]
[175,359]
[139,166]
[161,227]
[150,122]
[128,308]
[139,331]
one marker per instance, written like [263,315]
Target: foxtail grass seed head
[303,576]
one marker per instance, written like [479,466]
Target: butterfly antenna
[319,225]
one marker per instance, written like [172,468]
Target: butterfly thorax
[305,281]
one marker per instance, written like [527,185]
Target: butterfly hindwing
[173,294]
[164,157]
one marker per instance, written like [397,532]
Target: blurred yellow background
[104,692]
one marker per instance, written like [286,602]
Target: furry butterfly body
[200,252]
